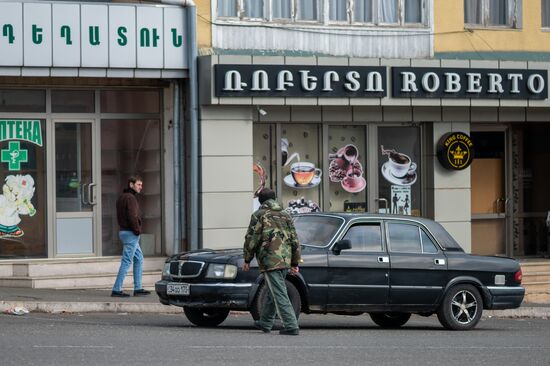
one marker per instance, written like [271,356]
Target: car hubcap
[464,307]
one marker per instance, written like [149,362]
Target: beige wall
[451,191]
[226,175]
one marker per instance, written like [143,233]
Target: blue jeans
[131,250]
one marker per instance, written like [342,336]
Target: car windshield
[317,230]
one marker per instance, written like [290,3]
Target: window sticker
[15,200]
[401,200]
[399,169]
[345,168]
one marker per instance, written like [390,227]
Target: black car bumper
[505,297]
[235,296]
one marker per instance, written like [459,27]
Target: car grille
[186,269]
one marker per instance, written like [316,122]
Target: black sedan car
[387,266]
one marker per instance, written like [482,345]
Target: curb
[89,307]
[54,307]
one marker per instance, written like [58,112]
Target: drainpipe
[193,136]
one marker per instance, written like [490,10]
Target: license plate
[177,289]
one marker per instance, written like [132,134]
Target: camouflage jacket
[271,237]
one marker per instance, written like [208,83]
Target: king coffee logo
[455,150]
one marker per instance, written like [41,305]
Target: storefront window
[131,147]
[12,100]
[23,195]
[301,169]
[130,101]
[347,154]
[73,101]
[399,188]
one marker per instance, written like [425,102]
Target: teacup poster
[399,169]
[346,169]
[303,174]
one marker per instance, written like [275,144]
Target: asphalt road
[169,339]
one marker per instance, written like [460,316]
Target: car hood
[211,255]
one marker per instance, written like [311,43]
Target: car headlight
[227,271]
[166,269]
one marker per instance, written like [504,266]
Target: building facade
[343,106]
[90,94]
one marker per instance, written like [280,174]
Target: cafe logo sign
[22,130]
[64,34]
[455,150]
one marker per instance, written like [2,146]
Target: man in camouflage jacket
[271,237]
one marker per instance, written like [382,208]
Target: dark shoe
[257,325]
[289,331]
[119,294]
[141,292]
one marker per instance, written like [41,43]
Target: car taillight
[518,276]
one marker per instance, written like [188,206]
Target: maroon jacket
[127,212]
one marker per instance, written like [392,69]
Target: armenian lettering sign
[45,34]
[455,150]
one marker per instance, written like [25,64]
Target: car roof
[436,229]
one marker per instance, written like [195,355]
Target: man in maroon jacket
[129,220]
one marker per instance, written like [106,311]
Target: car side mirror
[341,245]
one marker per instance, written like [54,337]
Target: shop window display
[399,166]
[301,170]
[23,193]
[347,167]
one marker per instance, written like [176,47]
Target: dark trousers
[277,302]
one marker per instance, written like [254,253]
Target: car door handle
[383,260]
[439,262]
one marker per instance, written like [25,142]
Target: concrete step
[536,277]
[534,267]
[537,298]
[95,281]
[71,266]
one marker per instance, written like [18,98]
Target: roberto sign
[44,34]
[469,83]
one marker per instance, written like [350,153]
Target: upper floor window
[377,11]
[491,13]
[386,12]
[545,12]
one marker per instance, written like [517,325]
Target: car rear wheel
[461,308]
[258,302]
[206,317]
[390,319]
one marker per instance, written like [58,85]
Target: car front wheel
[206,317]
[461,308]
[293,295]
[390,319]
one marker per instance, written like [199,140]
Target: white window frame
[514,19]
[324,14]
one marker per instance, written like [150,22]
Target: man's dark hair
[266,194]
[133,179]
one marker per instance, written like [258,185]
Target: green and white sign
[43,34]
[13,130]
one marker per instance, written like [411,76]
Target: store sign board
[427,82]
[372,82]
[299,81]
[92,35]
[455,150]
[66,47]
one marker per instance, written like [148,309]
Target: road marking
[69,346]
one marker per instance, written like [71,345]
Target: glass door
[489,198]
[75,187]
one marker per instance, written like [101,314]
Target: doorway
[75,187]
[490,194]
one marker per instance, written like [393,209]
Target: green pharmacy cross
[14,156]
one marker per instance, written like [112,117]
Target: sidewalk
[83,301]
